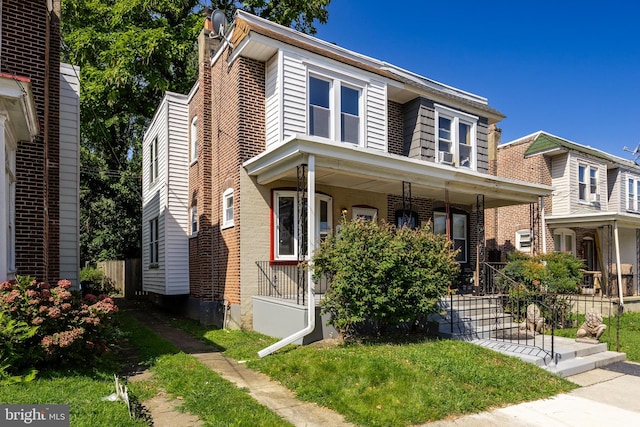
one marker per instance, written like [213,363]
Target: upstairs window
[327,97]
[286,233]
[227,208]
[456,133]
[153,160]
[588,184]
[633,194]
[194,139]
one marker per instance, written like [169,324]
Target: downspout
[543,225]
[311,243]
[618,271]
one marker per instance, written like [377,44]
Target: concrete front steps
[570,357]
[480,319]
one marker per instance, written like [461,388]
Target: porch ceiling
[347,166]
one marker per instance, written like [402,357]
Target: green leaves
[381,277]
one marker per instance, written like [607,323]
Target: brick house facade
[593,213]
[267,149]
[40,242]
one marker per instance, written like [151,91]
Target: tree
[130,53]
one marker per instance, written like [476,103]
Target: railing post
[451,311]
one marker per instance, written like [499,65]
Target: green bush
[70,329]
[555,272]
[13,335]
[94,281]
[382,278]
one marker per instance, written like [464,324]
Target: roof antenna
[635,153]
[219,23]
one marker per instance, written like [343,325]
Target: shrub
[13,334]
[382,278]
[94,281]
[555,272]
[70,328]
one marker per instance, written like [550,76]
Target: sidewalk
[269,393]
[608,396]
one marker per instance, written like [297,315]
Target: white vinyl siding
[376,115]
[69,173]
[272,102]
[167,198]
[294,95]
[560,179]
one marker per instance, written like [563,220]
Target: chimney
[494,137]
[207,46]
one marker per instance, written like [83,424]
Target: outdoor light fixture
[344,211]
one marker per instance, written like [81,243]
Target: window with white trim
[459,233]
[153,241]
[194,220]
[564,240]
[153,160]
[327,96]
[227,208]
[286,233]
[587,183]
[456,137]
[523,240]
[633,194]
[194,139]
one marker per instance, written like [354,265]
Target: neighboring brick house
[278,122]
[39,145]
[593,213]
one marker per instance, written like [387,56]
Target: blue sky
[571,68]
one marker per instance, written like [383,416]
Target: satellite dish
[219,22]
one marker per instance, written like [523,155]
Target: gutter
[311,231]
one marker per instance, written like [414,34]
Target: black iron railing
[286,282]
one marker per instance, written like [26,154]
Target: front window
[564,240]
[459,234]
[324,95]
[456,137]
[287,237]
[153,241]
[227,208]
[588,183]
[523,240]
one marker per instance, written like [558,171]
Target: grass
[393,384]
[202,392]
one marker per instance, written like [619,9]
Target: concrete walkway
[608,397]
[267,392]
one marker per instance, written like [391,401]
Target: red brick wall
[503,223]
[31,48]
[231,129]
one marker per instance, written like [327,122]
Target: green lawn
[202,392]
[393,384]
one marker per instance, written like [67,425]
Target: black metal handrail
[286,281]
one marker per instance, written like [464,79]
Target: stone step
[578,365]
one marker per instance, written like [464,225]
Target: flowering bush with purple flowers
[70,328]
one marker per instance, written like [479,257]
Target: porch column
[543,226]
[311,228]
[4,212]
[618,272]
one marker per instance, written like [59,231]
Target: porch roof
[16,98]
[357,168]
[594,219]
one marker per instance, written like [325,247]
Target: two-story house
[281,137]
[39,146]
[593,213]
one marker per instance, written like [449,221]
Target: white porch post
[543,225]
[619,273]
[311,245]
[4,242]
